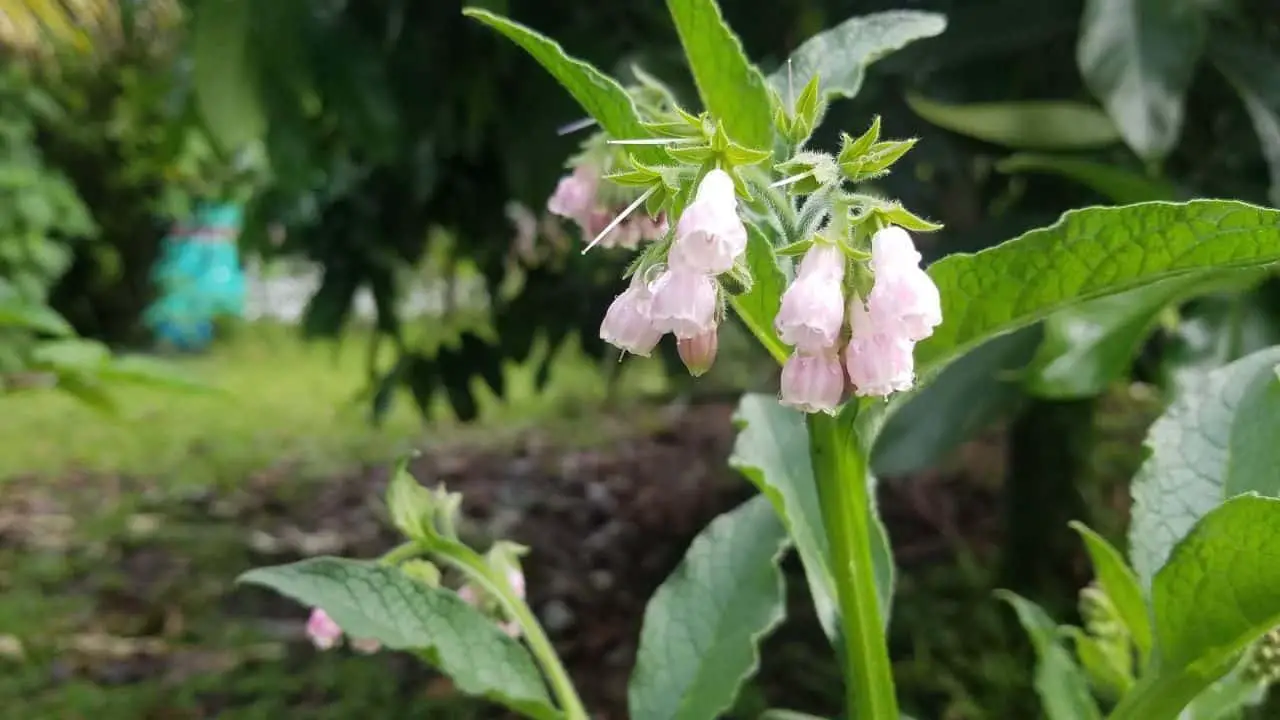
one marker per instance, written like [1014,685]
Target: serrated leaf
[600,95]
[1022,125]
[1117,184]
[772,452]
[1118,581]
[1138,58]
[1220,590]
[1217,441]
[1252,69]
[1087,254]
[1063,689]
[703,627]
[840,56]
[758,308]
[374,601]
[731,87]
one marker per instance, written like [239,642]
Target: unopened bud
[699,352]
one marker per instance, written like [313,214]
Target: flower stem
[494,583]
[840,469]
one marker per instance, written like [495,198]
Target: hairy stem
[840,469]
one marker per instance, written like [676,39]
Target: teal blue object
[198,277]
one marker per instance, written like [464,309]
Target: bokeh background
[286,238]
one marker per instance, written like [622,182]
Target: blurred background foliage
[394,142]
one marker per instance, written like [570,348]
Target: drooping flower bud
[322,630]
[575,195]
[627,323]
[699,353]
[879,363]
[812,310]
[905,299]
[709,235]
[812,382]
[684,303]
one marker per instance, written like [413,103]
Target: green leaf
[1220,590]
[839,56]
[1091,345]
[1138,58]
[1252,70]
[1115,183]
[967,396]
[600,95]
[1217,441]
[224,72]
[1227,698]
[1102,668]
[154,373]
[772,452]
[732,89]
[72,354]
[759,306]
[1023,125]
[37,318]
[409,503]
[1117,580]
[375,601]
[703,626]
[1087,254]
[1063,689]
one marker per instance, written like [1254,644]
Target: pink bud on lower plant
[322,630]
[710,237]
[684,303]
[699,353]
[812,382]
[628,324]
[575,195]
[812,311]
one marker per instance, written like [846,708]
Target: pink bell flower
[684,303]
[627,323]
[812,382]
[710,237]
[699,353]
[812,311]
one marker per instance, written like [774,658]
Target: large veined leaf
[1216,596]
[1061,685]
[1215,442]
[1024,125]
[1087,254]
[600,95]
[840,55]
[1252,70]
[1138,58]
[731,87]
[375,601]
[703,626]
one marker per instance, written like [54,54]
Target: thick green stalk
[840,469]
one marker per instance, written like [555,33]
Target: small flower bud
[812,382]
[699,353]
[322,630]
[812,310]
[709,235]
[627,323]
[684,303]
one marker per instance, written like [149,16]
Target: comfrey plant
[737,215]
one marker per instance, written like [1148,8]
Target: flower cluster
[683,295]
[578,197]
[902,308]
